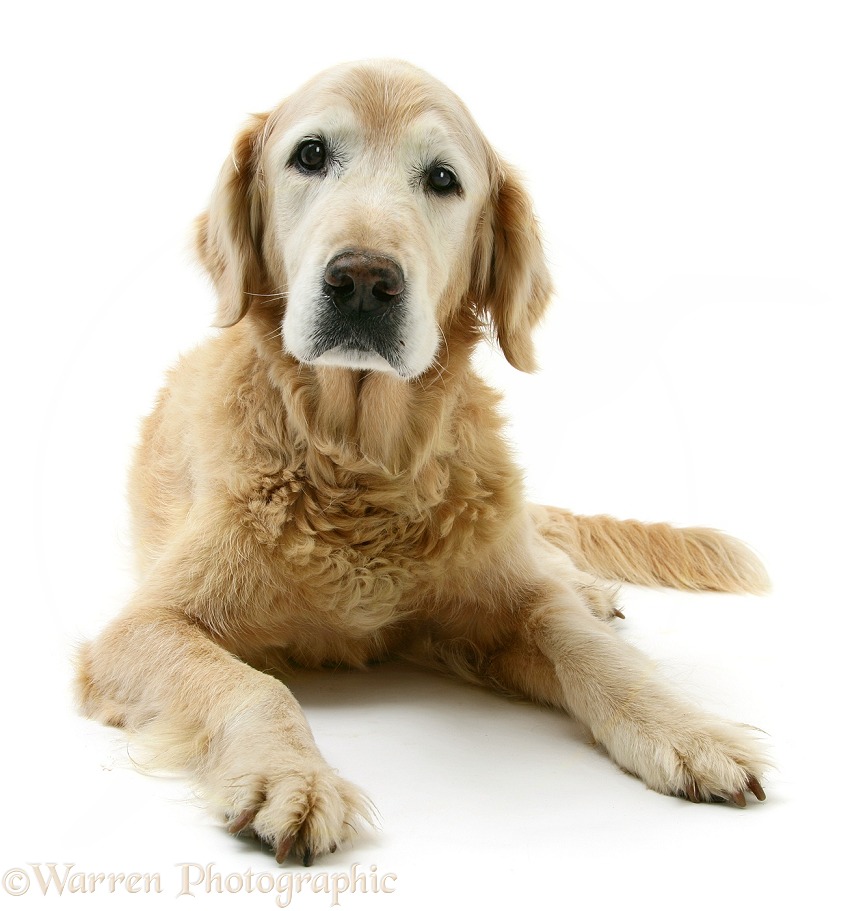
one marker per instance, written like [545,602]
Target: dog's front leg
[565,656]
[159,672]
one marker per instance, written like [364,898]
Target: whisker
[445,343]
[272,336]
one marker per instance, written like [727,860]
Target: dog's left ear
[511,283]
[229,234]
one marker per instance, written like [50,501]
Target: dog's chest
[370,544]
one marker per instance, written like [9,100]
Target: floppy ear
[512,286]
[229,234]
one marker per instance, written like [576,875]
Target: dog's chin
[359,359]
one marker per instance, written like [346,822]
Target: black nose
[362,283]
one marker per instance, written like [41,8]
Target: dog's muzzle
[362,309]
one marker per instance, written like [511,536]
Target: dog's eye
[442,180]
[311,155]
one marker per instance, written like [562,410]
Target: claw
[692,793]
[618,613]
[283,848]
[755,786]
[738,799]
[333,848]
[308,857]
[241,822]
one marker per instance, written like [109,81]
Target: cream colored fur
[299,512]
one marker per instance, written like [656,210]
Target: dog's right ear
[229,235]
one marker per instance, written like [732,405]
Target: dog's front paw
[702,761]
[304,809]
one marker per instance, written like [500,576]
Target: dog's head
[371,207]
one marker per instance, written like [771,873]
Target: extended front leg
[158,672]
[563,655]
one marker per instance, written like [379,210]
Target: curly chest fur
[373,542]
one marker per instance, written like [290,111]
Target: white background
[697,169]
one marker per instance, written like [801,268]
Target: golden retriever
[327,482]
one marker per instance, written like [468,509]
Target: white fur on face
[371,197]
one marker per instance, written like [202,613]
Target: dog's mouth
[359,342]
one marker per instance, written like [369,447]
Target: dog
[326,482]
